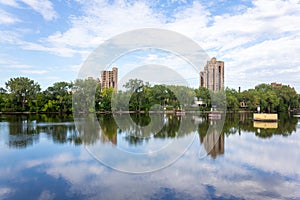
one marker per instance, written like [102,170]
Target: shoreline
[120,112]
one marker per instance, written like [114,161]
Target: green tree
[288,98]
[232,99]
[84,91]
[58,98]
[105,101]
[22,93]
[203,94]
[3,97]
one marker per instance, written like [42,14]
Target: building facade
[109,78]
[213,75]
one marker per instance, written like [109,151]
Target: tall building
[213,75]
[109,78]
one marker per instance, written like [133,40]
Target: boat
[265,117]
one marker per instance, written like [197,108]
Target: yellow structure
[265,125]
[265,117]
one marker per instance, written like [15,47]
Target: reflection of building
[109,78]
[213,143]
[213,75]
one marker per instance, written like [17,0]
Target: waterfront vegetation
[25,95]
[61,129]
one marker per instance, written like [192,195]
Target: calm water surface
[45,157]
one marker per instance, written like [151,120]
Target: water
[46,157]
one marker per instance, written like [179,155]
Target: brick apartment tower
[109,78]
[213,75]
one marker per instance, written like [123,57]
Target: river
[154,156]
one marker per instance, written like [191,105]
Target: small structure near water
[265,125]
[265,117]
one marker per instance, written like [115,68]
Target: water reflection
[24,130]
[251,167]
[244,122]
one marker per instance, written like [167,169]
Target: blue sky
[48,41]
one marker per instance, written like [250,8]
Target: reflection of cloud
[251,168]
[5,191]
[228,175]
[46,195]
[272,158]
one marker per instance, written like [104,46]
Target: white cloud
[249,39]
[43,7]
[34,71]
[12,3]
[10,37]
[7,18]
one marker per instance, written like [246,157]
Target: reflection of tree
[108,128]
[236,122]
[170,128]
[22,131]
[88,128]
[139,128]
[136,129]
[61,133]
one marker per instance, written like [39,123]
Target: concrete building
[213,75]
[109,78]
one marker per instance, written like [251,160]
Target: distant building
[109,78]
[274,84]
[213,75]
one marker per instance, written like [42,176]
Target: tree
[288,98]
[134,84]
[3,97]
[202,93]
[84,92]
[105,101]
[232,99]
[58,98]
[22,92]
[183,95]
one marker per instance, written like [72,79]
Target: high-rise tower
[213,75]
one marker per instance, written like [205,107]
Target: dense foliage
[22,94]
[268,98]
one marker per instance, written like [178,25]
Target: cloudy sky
[48,41]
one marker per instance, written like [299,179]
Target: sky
[48,41]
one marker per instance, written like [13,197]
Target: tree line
[234,124]
[22,94]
